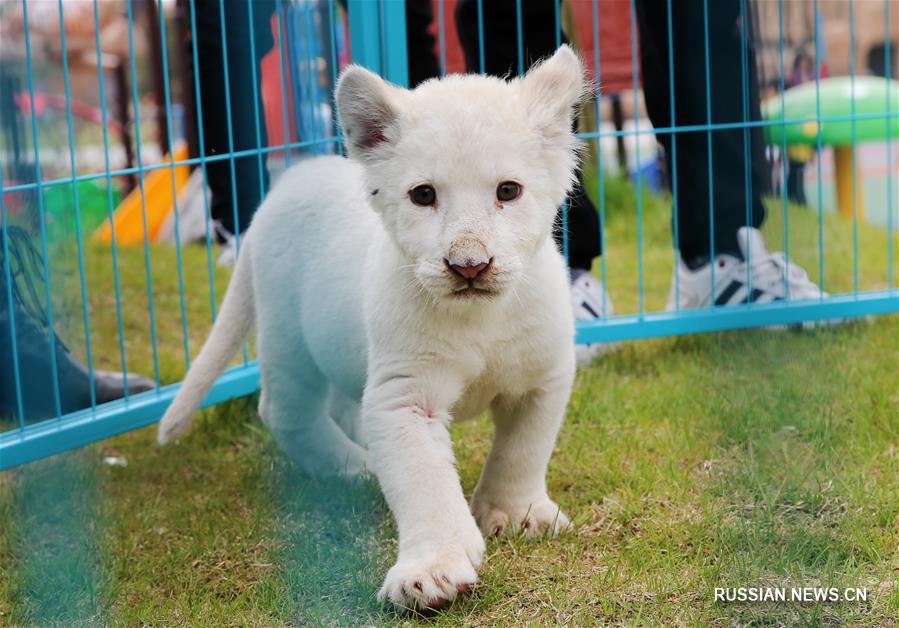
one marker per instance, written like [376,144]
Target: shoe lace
[777,267]
[26,278]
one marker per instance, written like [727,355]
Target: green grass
[737,459]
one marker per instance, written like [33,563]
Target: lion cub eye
[423,195]
[508,191]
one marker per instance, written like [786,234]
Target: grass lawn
[746,458]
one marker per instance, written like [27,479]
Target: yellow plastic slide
[128,216]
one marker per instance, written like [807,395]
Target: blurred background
[295,90]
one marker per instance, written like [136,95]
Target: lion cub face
[467,172]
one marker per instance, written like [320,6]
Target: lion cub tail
[228,333]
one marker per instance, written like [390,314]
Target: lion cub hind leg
[312,440]
[346,413]
[294,408]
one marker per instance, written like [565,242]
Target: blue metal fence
[40,156]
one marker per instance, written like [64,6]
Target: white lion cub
[419,276]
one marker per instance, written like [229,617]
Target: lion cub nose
[469,272]
[467,257]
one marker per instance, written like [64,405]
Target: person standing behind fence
[38,374]
[719,191]
[233,200]
[801,154]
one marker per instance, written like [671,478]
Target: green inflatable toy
[873,121]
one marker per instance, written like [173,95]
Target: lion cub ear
[552,91]
[367,108]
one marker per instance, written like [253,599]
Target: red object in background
[273,101]
[615,60]
[455,59]
[58,102]
[616,70]
[615,56]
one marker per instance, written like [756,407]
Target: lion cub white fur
[351,288]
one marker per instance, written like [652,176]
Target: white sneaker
[227,258]
[589,302]
[771,277]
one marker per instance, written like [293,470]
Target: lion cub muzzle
[468,258]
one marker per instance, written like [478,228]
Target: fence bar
[143,194]
[557,19]
[708,114]
[396,67]
[745,25]
[77,208]
[888,70]
[566,250]
[600,171]
[519,36]
[638,179]
[737,316]
[47,438]
[673,174]
[282,71]
[117,288]
[481,53]
[230,123]
[441,33]
[376,26]
[853,124]
[817,27]
[7,273]
[51,339]
[255,80]
[47,183]
[80,428]
[298,67]
[201,147]
[231,162]
[783,149]
[332,17]
[177,223]
[313,124]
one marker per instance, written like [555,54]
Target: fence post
[378,37]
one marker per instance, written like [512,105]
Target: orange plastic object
[128,216]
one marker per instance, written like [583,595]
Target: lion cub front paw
[433,577]
[530,518]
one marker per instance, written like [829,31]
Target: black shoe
[36,345]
